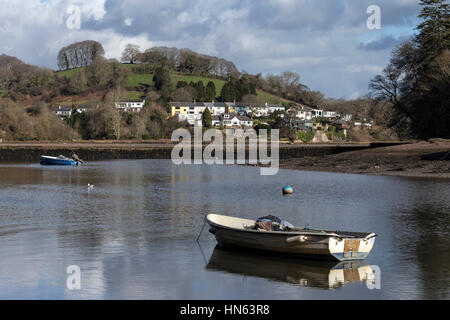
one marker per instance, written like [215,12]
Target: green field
[134,95]
[143,80]
[69,73]
[137,80]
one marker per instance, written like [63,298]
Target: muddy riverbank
[421,159]
[92,151]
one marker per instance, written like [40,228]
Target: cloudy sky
[326,41]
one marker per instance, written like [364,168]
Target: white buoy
[90,186]
[288,190]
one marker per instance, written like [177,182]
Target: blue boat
[58,161]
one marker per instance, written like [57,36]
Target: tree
[386,86]
[131,53]
[434,35]
[162,83]
[416,81]
[114,114]
[200,90]
[183,94]
[210,92]
[207,118]
[79,54]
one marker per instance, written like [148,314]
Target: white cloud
[128,22]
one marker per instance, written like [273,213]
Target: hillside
[138,82]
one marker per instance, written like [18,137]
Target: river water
[133,235]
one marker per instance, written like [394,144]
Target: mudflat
[419,159]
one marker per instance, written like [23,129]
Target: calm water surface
[133,235]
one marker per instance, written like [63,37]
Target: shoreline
[418,159]
[415,160]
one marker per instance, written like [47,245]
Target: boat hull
[281,242]
[53,161]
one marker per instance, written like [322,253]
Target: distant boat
[57,161]
[294,241]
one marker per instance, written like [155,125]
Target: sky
[327,42]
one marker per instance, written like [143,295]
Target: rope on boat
[201,230]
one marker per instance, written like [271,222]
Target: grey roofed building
[62,111]
[187,104]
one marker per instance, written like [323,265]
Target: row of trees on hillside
[79,54]
[195,90]
[19,78]
[180,60]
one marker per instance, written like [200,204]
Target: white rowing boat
[302,242]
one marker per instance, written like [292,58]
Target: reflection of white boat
[332,245]
[307,273]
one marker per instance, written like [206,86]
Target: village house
[330,114]
[63,111]
[241,110]
[271,108]
[232,120]
[347,117]
[304,114]
[216,108]
[177,108]
[259,111]
[130,105]
[301,125]
[231,107]
[192,119]
[317,113]
[192,112]
[341,124]
[82,108]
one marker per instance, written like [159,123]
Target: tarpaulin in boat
[272,223]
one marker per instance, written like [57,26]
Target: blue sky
[326,41]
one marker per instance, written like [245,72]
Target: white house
[317,113]
[194,119]
[216,108]
[131,105]
[304,114]
[274,107]
[232,120]
[347,117]
[63,111]
[260,111]
[330,114]
[82,109]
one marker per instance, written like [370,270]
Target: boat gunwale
[319,233]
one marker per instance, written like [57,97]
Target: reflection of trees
[428,237]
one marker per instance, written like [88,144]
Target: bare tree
[79,54]
[115,114]
[131,53]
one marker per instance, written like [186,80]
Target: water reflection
[306,273]
[425,236]
[134,234]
